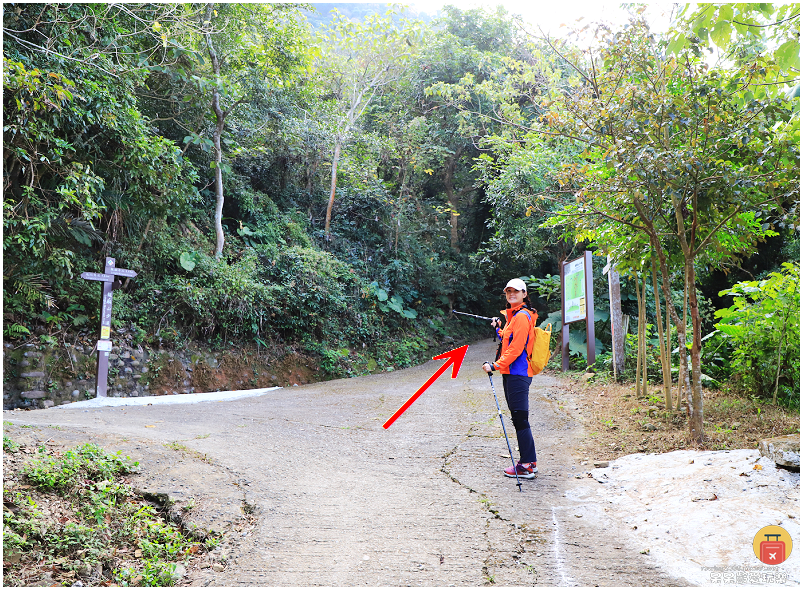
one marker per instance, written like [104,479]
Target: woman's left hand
[487,367]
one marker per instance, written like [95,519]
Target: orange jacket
[516,341]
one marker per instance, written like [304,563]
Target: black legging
[516,389]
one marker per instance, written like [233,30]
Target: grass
[618,423]
[182,448]
[76,519]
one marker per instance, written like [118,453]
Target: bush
[764,326]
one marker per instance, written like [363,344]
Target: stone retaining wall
[35,376]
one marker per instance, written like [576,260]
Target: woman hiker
[516,343]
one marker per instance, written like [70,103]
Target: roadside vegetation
[71,518]
[617,422]
[335,184]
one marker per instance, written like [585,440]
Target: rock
[784,450]
[33,394]
[586,377]
[705,497]
[601,464]
[218,567]
[178,573]
[135,363]
[128,370]
[46,403]
[113,357]
[25,363]
[125,355]
[32,375]
[650,428]
[736,425]
[45,581]
[138,553]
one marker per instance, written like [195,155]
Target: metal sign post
[577,303]
[107,277]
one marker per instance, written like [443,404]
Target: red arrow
[454,357]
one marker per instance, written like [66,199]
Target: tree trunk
[311,171]
[218,180]
[644,333]
[683,376]
[666,365]
[334,166]
[617,331]
[452,198]
[669,351]
[220,116]
[638,339]
[778,377]
[696,420]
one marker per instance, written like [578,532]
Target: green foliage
[763,327]
[10,446]
[470,152]
[89,461]
[79,155]
[105,516]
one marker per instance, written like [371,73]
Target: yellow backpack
[540,353]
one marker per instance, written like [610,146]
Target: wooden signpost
[107,277]
[577,304]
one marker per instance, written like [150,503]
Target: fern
[15,331]
[34,288]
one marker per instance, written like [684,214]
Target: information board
[575,291]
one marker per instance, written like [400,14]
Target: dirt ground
[619,423]
[309,489]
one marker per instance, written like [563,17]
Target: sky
[551,15]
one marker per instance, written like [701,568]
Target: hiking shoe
[524,471]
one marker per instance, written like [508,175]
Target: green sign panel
[575,291]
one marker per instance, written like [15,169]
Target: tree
[673,155]
[251,49]
[679,162]
[80,160]
[358,62]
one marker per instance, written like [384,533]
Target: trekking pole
[499,413]
[472,315]
[480,317]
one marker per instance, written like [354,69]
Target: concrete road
[311,490]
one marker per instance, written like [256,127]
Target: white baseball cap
[516,284]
